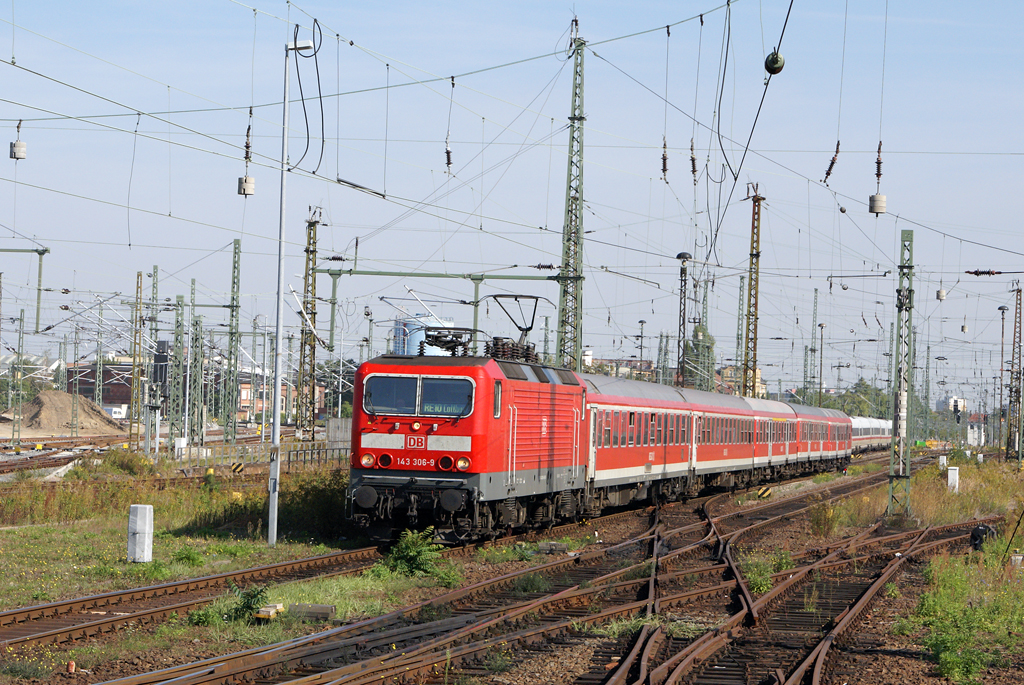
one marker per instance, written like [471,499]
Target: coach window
[497,399]
[615,429]
[632,427]
[608,429]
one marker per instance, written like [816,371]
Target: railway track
[460,633]
[60,622]
[65,621]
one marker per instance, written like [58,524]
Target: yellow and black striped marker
[764,492]
[237,468]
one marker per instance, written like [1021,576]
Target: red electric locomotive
[476,445]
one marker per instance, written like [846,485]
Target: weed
[530,583]
[811,598]
[758,574]
[639,572]
[498,660]
[684,629]
[824,478]
[249,602]
[236,550]
[619,627]
[207,616]
[25,670]
[40,596]
[431,613]
[154,571]
[188,556]
[781,560]
[448,575]
[891,590]
[824,517]
[415,554]
[319,550]
[903,626]
[497,555]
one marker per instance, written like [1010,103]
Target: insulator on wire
[448,156]
[18,148]
[664,158]
[246,183]
[878,163]
[831,164]
[693,162]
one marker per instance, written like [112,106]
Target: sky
[135,117]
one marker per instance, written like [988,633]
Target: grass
[826,477]
[677,627]
[973,611]
[72,540]
[757,567]
[498,554]
[994,487]
[824,516]
[531,583]
[415,555]
[861,469]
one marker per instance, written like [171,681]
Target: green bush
[448,575]
[415,554]
[188,556]
[130,463]
[530,583]
[26,670]
[758,574]
[639,572]
[248,602]
[207,616]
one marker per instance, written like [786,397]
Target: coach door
[592,449]
[693,423]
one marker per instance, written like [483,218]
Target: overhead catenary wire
[839,116]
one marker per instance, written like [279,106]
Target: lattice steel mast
[196,414]
[570,278]
[177,376]
[135,408]
[814,338]
[230,384]
[737,358]
[306,382]
[74,390]
[899,455]
[1013,417]
[749,387]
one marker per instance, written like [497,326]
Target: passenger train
[475,446]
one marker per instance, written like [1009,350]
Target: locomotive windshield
[417,396]
[390,395]
[447,397]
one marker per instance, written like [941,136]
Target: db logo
[415,442]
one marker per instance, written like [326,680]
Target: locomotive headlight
[415,425]
[367,461]
[462,463]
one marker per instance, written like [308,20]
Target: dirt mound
[50,412]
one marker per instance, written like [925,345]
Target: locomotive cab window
[447,397]
[390,395]
[497,399]
[418,396]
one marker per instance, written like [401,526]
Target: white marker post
[953,479]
